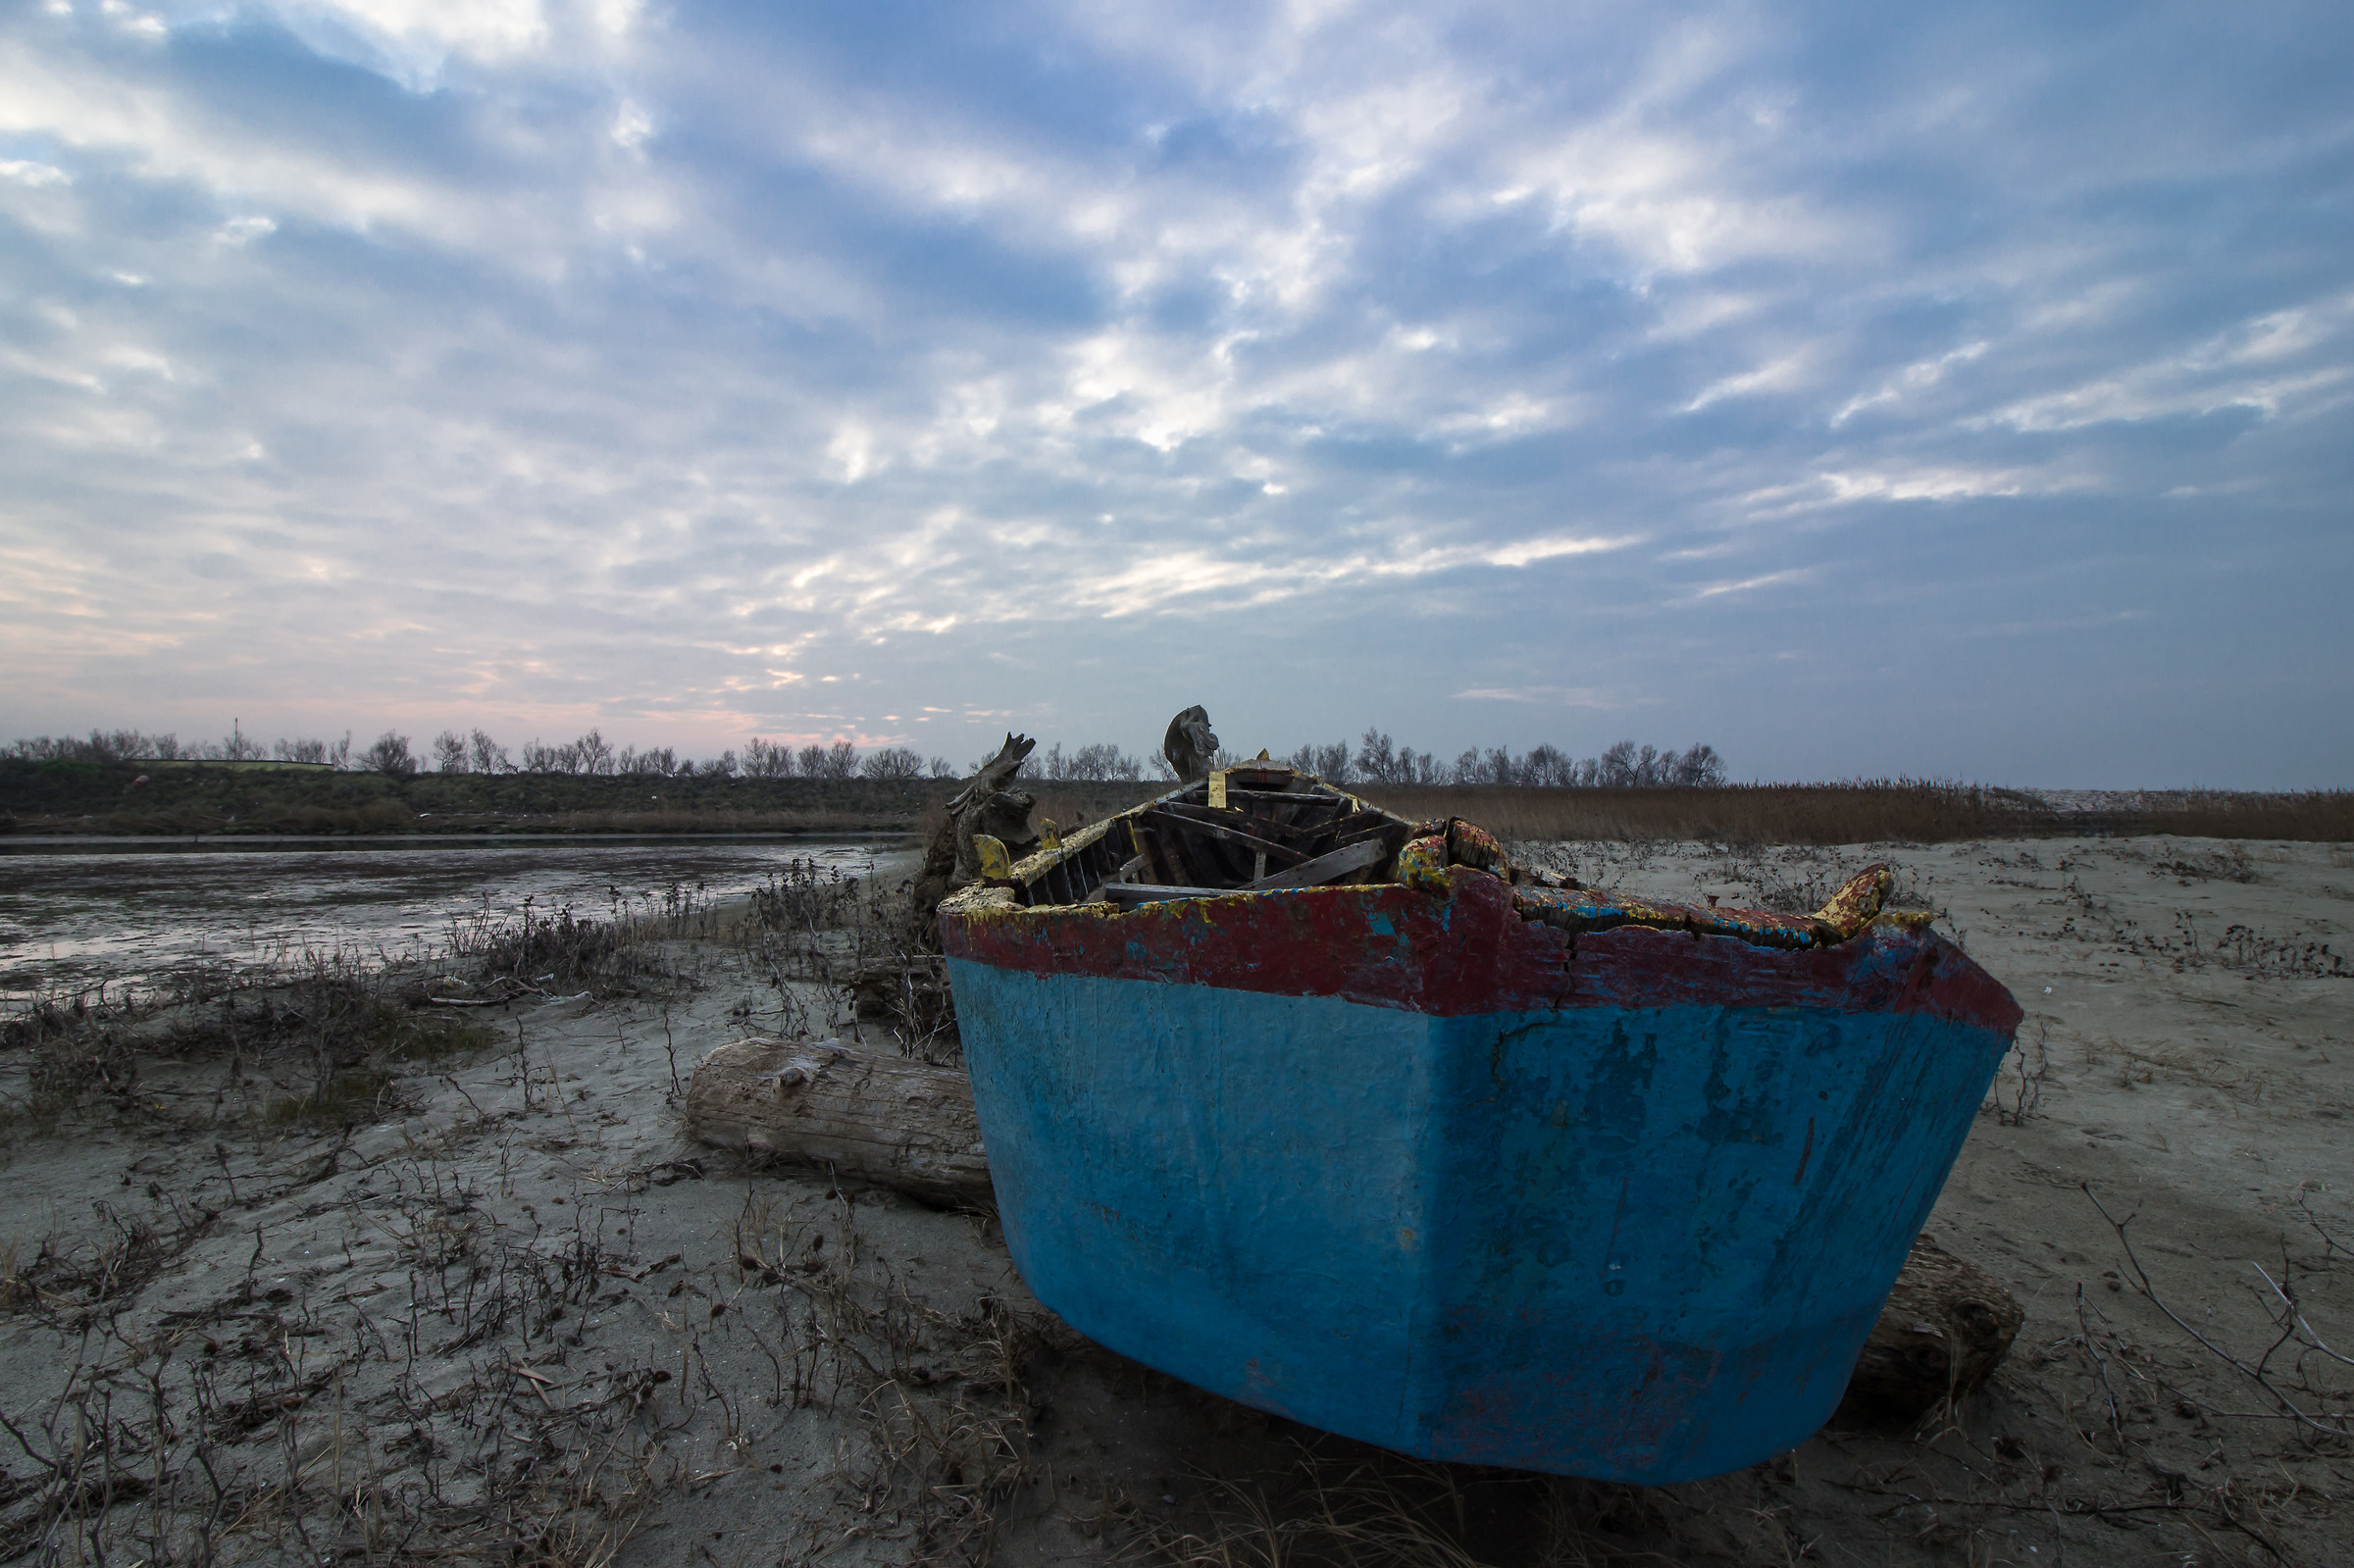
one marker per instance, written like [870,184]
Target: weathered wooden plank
[1327,868]
[1129,894]
[882,1119]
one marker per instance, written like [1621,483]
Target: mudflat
[474,1297]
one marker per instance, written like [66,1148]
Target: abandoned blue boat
[1357,1122]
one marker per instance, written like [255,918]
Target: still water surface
[137,912]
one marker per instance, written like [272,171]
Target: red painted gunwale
[1391,945]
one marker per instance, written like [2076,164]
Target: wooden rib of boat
[1355,1122]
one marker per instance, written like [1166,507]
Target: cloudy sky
[1960,390]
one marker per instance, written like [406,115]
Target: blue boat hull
[1416,1164]
[1636,1243]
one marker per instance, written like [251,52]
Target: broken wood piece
[1945,1328]
[1328,868]
[882,1119]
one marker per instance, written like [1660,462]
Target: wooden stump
[1944,1330]
[882,1119]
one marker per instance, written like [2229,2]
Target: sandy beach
[509,1312]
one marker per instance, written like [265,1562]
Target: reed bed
[1902,811]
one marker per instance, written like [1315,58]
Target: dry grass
[255,1428]
[1350,1506]
[323,1043]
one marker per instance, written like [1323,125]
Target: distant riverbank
[140,800]
[206,800]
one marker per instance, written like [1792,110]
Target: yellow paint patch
[991,852]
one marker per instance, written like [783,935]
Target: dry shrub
[623,954]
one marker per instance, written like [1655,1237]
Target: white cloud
[2242,367]
[1561,696]
[1765,579]
[24,173]
[1167,579]
[1776,375]
[170,139]
[1914,378]
[1513,415]
[632,126]
[483,29]
[850,455]
[1849,486]
[2159,392]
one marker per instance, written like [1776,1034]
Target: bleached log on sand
[881,1119]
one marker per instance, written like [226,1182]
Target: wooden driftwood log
[1190,745]
[883,1119]
[1946,1327]
[986,804]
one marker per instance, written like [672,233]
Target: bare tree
[390,755]
[594,753]
[449,752]
[1699,769]
[893,763]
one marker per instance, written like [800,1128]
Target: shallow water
[137,913]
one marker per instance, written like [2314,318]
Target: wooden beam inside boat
[1328,868]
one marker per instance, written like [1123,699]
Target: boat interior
[1245,829]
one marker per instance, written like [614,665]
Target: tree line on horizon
[1376,759]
